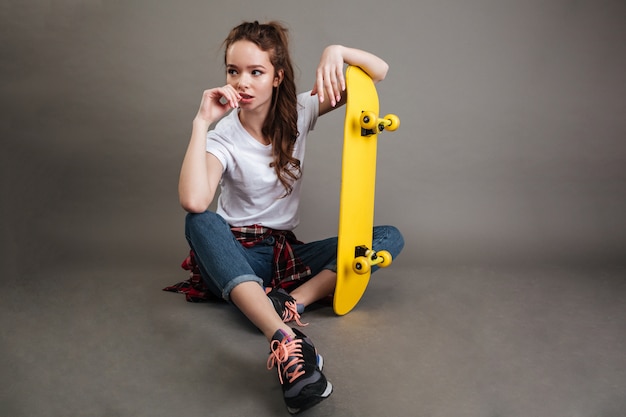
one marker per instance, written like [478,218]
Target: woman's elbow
[194,206]
[382,73]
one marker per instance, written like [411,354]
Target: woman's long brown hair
[281,124]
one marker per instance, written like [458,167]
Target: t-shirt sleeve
[310,109]
[216,146]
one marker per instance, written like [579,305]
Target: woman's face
[250,72]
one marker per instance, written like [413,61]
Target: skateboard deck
[355,256]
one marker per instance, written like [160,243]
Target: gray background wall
[511,150]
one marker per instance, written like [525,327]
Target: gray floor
[423,342]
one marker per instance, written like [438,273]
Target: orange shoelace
[283,351]
[291,313]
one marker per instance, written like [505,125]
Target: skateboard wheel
[386,258]
[393,122]
[368,120]
[361,265]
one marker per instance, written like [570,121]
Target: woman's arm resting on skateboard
[330,81]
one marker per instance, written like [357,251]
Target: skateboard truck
[370,123]
[365,258]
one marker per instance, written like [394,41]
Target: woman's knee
[203,222]
[389,238]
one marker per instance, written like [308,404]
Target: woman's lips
[245,98]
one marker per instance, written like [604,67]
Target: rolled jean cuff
[238,280]
[331,266]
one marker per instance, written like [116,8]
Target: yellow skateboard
[355,256]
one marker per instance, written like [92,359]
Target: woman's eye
[231,71]
[257,72]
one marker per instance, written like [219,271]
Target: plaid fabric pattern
[194,288]
[287,267]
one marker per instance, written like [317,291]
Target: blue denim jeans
[224,263]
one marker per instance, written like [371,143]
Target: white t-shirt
[250,190]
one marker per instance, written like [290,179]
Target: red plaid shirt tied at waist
[286,266]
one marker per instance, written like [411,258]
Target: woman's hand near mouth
[216,102]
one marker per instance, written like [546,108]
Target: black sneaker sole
[313,400]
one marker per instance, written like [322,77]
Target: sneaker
[285,305]
[299,371]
